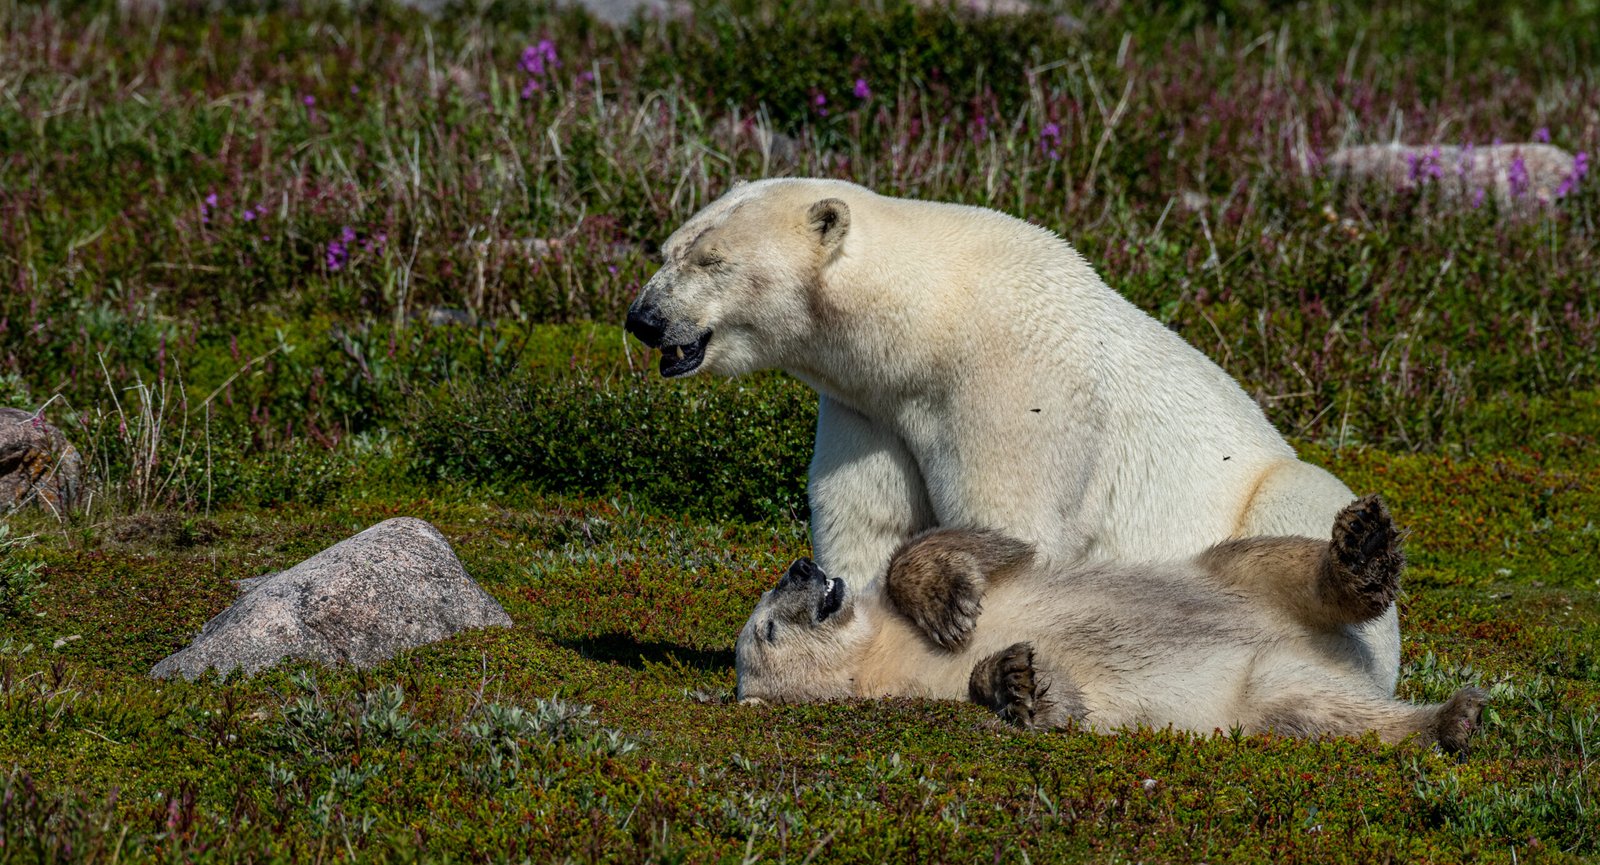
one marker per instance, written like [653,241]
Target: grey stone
[395,586]
[38,466]
[1517,175]
[778,151]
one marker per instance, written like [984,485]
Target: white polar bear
[975,372]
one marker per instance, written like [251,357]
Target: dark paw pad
[1005,682]
[1364,569]
[1458,717]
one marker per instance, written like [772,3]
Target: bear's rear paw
[1365,560]
[1005,682]
[1458,717]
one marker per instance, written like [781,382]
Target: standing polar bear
[975,372]
[970,614]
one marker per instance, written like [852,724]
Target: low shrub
[697,447]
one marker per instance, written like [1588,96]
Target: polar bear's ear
[830,219]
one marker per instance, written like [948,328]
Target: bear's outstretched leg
[1322,711]
[867,495]
[937,580]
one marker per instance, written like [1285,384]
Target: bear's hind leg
[1341,714]
[1360,575]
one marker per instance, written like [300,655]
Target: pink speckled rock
[395,586]
[1517,175]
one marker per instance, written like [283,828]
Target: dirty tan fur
[1196,644]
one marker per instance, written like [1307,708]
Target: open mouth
[832,598]
[683,359]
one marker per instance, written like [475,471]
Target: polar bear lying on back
[1243,635]
[975,372]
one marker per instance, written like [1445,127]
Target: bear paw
[1005,682]
[1365,560]
[1458,717]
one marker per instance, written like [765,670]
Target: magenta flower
[862,91]
[1580,167]
[1542,135]
[338,253]
[538,61]
[1050,139]
[1425,167]
[1517,176]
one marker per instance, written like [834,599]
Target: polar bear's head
[802,642]
[736,291]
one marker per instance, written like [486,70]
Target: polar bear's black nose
[646,323]
[802,571]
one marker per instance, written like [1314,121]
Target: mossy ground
[634,613]
[225,230]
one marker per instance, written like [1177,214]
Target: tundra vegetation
[284,270]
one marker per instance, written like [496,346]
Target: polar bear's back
[1058,390]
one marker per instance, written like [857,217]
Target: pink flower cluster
[538,62]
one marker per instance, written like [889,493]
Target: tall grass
[201,188]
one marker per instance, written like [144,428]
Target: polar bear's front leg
[867,495]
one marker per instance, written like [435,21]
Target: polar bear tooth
[679,350]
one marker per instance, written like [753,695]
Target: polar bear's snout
[646,323]
[681,353]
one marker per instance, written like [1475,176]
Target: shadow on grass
[629,651]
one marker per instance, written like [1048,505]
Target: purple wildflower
[248,215]
[1424,167]
[1580,167]
[538,61]
[1050,139]
[1477,198]
[206,205]
[862,91]
[1517,176]
[339,250]
[821,103]
[1542,135]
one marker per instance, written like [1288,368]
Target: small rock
[1515,174]
[37,464]
[395,586]
[441,316]
[778,151]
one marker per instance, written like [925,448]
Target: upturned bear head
[802,642]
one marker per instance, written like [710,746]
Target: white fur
[975,371]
